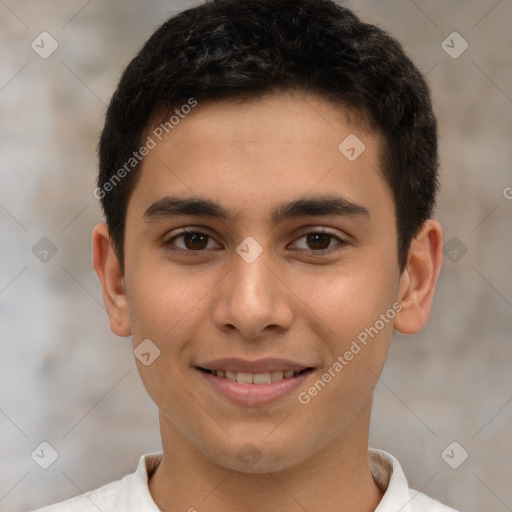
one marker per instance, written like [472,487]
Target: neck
[337,478]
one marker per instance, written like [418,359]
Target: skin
[288,303]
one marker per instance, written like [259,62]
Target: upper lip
[236,364]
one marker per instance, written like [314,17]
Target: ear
[418,281]
[108,269]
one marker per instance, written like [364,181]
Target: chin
[257,457]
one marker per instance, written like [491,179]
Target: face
[256,248]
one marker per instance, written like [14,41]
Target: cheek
[348,300]
[165,309]
[164,298]
[353,315]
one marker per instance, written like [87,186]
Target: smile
[255,378]
[254,389]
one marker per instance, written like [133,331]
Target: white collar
[133,492]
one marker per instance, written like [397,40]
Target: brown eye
[318,241]
[195,241]
[190,241]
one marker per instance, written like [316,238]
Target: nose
[253,299]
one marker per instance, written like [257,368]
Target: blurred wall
[66,380]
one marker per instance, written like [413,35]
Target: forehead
[280,119]
[253,154]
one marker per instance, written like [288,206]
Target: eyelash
[169,242]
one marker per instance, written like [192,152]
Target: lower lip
[254,395]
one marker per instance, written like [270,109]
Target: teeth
[255,378]
[244,378]
[276,375]
[261,378]
[229,375]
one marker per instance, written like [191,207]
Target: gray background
[67,380]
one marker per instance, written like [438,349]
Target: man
[268,171]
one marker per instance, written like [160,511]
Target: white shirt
[131,493]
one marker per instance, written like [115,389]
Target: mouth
[256,378]
[254,383]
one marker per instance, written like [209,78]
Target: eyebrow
[172,206]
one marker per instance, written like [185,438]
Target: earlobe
[418,281]
[108,269]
